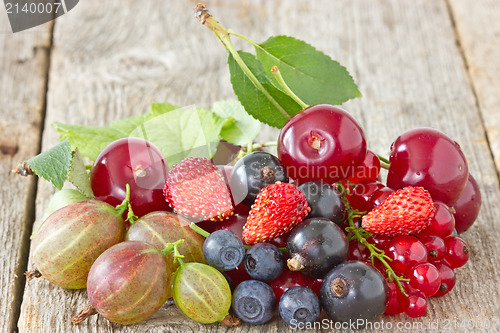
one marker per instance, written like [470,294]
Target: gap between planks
[30,202]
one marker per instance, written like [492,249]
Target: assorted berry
[324,200]
[406,211]
[264,262]
[196,190]
[316,246]
[299,305]
[277,209]
[254,302]
[223,250]
[312,229]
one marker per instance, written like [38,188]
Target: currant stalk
[361,235]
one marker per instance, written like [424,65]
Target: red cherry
[427,157]
[135,162]
[322,142]
[467,206]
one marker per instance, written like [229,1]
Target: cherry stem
[199,230]
[277,75]
[384,165]
[383,159]
[83,314]
[201,13]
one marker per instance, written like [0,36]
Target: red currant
[322,142]
[426,278]
[436,249]
[369,169]
[360,195]
[448,278]
[428,158]
[289,279]
[132,161]
[457,252]
[467,206]
[417,305]
[393,306]
[379,196]
[442,223]
[405,252]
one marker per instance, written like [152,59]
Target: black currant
[324,200]
[252,173]
[315,246]
[354,292]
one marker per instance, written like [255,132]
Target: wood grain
[23,64]
[478,30]
[112,59]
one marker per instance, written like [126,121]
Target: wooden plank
[23,64]
[127,54]
[478,30]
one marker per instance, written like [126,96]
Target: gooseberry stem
[125,203]
[199,230]
[277,75]
[83,314]
[201,13]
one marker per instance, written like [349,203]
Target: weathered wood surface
[111,59]
[478,32]
[23,67]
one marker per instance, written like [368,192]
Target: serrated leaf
[53,164]
[240,128]
[312,75]
[91,140]
[253,100]
[183,133]
[78,175]
[129,124]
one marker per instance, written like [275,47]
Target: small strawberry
[197,191]
[406,211]
[277,209]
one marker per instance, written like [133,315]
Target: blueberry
[299,305]
[315,246]
[254,302]
[354,291]
[223,250]
[324,200]
[264,262]
[252,173]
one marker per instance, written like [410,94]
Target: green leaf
[183,133]
[127,125]
[53,164]
[91,140]
[312,75]
[240,128]
[253,100]
[78,175]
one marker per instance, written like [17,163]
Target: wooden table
[417,62]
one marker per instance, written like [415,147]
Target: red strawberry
[197,191]
[277,209]
[406,211]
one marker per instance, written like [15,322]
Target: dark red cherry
[467,206]
[322,142]
[427,157]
